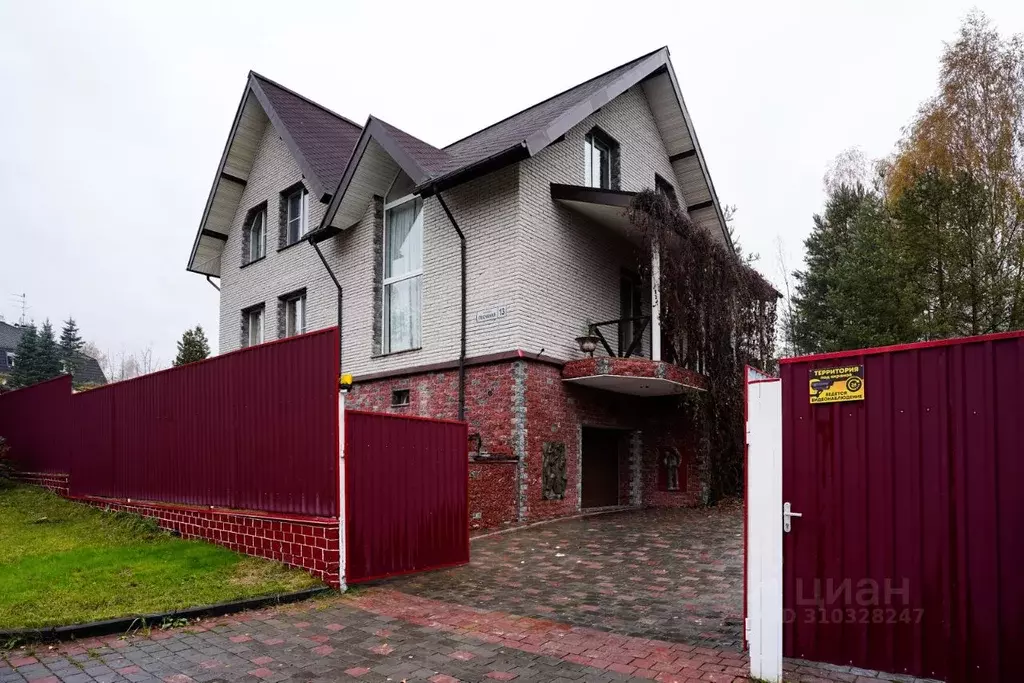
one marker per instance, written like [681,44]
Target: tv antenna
[23,302]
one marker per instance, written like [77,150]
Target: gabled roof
[345,164]
[527,133]
[320,140]
[521,127]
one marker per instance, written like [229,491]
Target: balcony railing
[622,328]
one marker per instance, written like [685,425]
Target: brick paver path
[674,575]
[422,629]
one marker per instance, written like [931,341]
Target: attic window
[294,214]
[600,161]
[254,239]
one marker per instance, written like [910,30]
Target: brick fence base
[309,543]
[58,483]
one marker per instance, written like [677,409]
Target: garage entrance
[605,451]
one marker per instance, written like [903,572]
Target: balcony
[623,370]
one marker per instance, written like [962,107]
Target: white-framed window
[403,274]
[597,161]
[297,217]
[257,236]
[254,320]
[295,314]
[10,359]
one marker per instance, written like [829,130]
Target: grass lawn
[66,563]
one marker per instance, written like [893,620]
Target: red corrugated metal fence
[254,429]
[908,556]
[35,421]
[406,495]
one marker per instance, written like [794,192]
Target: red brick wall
[555,411]
[489,396]
[492,493]
[436,394]
[656,442]
[58,483]
[307,543]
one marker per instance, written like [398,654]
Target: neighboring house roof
[86,371]
[9,336]
[373,154]
[320,140]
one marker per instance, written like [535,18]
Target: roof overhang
[375,162]
[604,207]
[255,110]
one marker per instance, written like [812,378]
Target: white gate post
[764,529]
[344,382]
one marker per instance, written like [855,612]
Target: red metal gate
[406,495]
[908,555]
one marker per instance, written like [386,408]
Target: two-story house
[462,276]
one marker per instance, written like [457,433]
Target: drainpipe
[316,245]
[211,283]
[462,352]
[315,240]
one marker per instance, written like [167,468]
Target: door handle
[787,514]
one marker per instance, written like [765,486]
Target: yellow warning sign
[832,385]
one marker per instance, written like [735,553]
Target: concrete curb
[123,624]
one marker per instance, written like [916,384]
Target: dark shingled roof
[9,336]
[324,138]
[504,135]
[430,158]
[515,129]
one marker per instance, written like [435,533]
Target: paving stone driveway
[574,601]
[673,575]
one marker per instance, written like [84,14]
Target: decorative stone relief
[555,476]
[672,461]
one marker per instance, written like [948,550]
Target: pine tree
[192,347]
[48,360]
[26,355]
[71,344]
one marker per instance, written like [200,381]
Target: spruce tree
[48,360]
[71,344]
[192,346]
[26,355]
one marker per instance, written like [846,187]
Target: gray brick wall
[485,209]
[570,267]
[546,268]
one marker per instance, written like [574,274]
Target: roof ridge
[305,99]
[406,132]
[537,104]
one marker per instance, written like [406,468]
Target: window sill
[400,405]
[249,263]
[389,354]
[301,240]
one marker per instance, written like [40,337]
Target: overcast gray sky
[115,114]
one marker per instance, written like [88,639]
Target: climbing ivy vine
[718,314]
